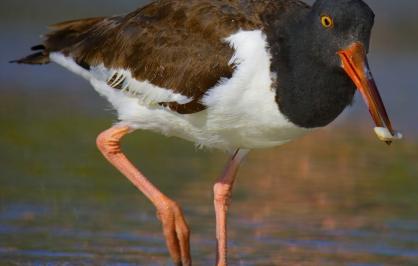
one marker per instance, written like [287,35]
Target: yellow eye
[327,22]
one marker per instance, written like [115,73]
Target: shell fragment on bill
[384,135]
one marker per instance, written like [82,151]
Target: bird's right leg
[174,225]
[222,195]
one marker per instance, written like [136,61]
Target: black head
[328,44]
[344,30]
[337,24]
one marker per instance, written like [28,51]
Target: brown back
[173,44]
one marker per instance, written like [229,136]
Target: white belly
[242,111]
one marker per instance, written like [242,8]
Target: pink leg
[174,225]
[222,194]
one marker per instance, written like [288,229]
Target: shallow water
[335,197]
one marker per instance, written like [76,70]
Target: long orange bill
[355,64]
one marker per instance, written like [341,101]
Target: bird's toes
[176,232]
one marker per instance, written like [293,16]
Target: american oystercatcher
[234,75]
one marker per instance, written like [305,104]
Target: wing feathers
[173,44]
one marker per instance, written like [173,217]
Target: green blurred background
[335,197]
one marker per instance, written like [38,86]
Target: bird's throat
[312,95]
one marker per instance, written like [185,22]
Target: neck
[308,92]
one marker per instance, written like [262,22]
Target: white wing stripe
[144,91]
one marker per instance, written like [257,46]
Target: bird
[234,75]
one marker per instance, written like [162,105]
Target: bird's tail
[40,57]
[61,38]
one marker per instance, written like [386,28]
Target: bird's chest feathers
[244,108]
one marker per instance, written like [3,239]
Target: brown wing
[173,44]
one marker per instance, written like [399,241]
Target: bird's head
[340,31]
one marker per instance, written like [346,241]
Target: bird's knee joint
[107,144]
[108,141]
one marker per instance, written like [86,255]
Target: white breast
[242,111]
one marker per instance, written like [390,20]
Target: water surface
[335,197]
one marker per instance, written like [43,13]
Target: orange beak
[354,62]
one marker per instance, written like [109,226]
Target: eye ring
[327,22]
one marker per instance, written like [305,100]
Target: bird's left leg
[222,194]
[174,225]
